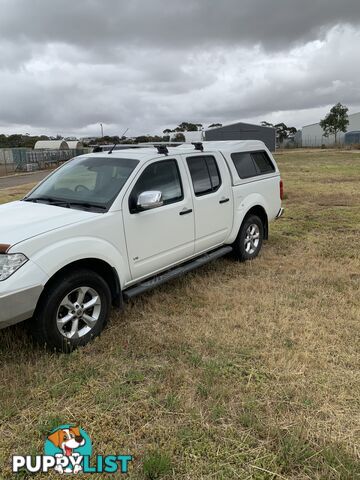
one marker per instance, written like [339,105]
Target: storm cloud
[66,66]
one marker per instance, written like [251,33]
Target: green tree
[18,140]
[184,127]
[179,137]
[282,131]
[337,120]
[188,127]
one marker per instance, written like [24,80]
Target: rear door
[213,201]
[163,236]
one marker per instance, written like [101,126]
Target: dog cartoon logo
[68,444]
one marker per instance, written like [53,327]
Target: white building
[313,135]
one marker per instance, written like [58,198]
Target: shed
[74,144]
[51,145]
[243,131]
[352,137]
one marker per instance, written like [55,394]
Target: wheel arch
[260,212]
[101,267]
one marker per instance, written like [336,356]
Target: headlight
[9,263]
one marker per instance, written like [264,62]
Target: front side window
[163,176]
[204,173]
[85,182]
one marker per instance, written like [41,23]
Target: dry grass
[247,371]
[14,193]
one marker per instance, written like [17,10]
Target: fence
[41,159]
[320,140]
[13,160]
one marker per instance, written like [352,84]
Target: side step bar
[175,272]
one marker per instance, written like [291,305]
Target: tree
[20,141]
[184,127]
[179,137]
[282,131]
[337,120]
[188,127]
[214,125]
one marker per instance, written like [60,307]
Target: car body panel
[24,220]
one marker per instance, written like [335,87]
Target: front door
[162,236]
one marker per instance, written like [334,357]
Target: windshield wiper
[86,204]
[43,199]
[65,203]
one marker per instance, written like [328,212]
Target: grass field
[238,371]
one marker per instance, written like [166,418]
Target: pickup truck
[107,226]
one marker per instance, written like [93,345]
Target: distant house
[51,145]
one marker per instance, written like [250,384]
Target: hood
[20,221]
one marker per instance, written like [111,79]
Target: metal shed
[352,138]
[74,144]
[243,131]
[51,145]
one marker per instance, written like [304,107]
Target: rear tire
[71,311]
[250,238]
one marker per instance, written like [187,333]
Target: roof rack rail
[162,147]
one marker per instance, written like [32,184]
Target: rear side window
[263,162]
[251,164]
[244,165]
[204,173]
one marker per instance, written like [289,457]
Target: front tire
[250,238]
[72,311]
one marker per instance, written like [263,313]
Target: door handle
[224,200]
[185,211]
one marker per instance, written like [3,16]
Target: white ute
[107,226]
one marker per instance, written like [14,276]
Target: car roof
[144,153]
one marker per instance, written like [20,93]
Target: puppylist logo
[67,450]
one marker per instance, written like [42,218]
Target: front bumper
[19,305]
[280,213]
[19,294]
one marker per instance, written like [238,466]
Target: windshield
[85,182]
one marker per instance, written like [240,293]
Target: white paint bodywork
[137,245]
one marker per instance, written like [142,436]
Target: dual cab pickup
[110,225]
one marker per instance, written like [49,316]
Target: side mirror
[149,200]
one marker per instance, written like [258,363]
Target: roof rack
[198,146]
[161,146]
[162,149]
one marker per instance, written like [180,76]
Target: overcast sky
[66,66]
